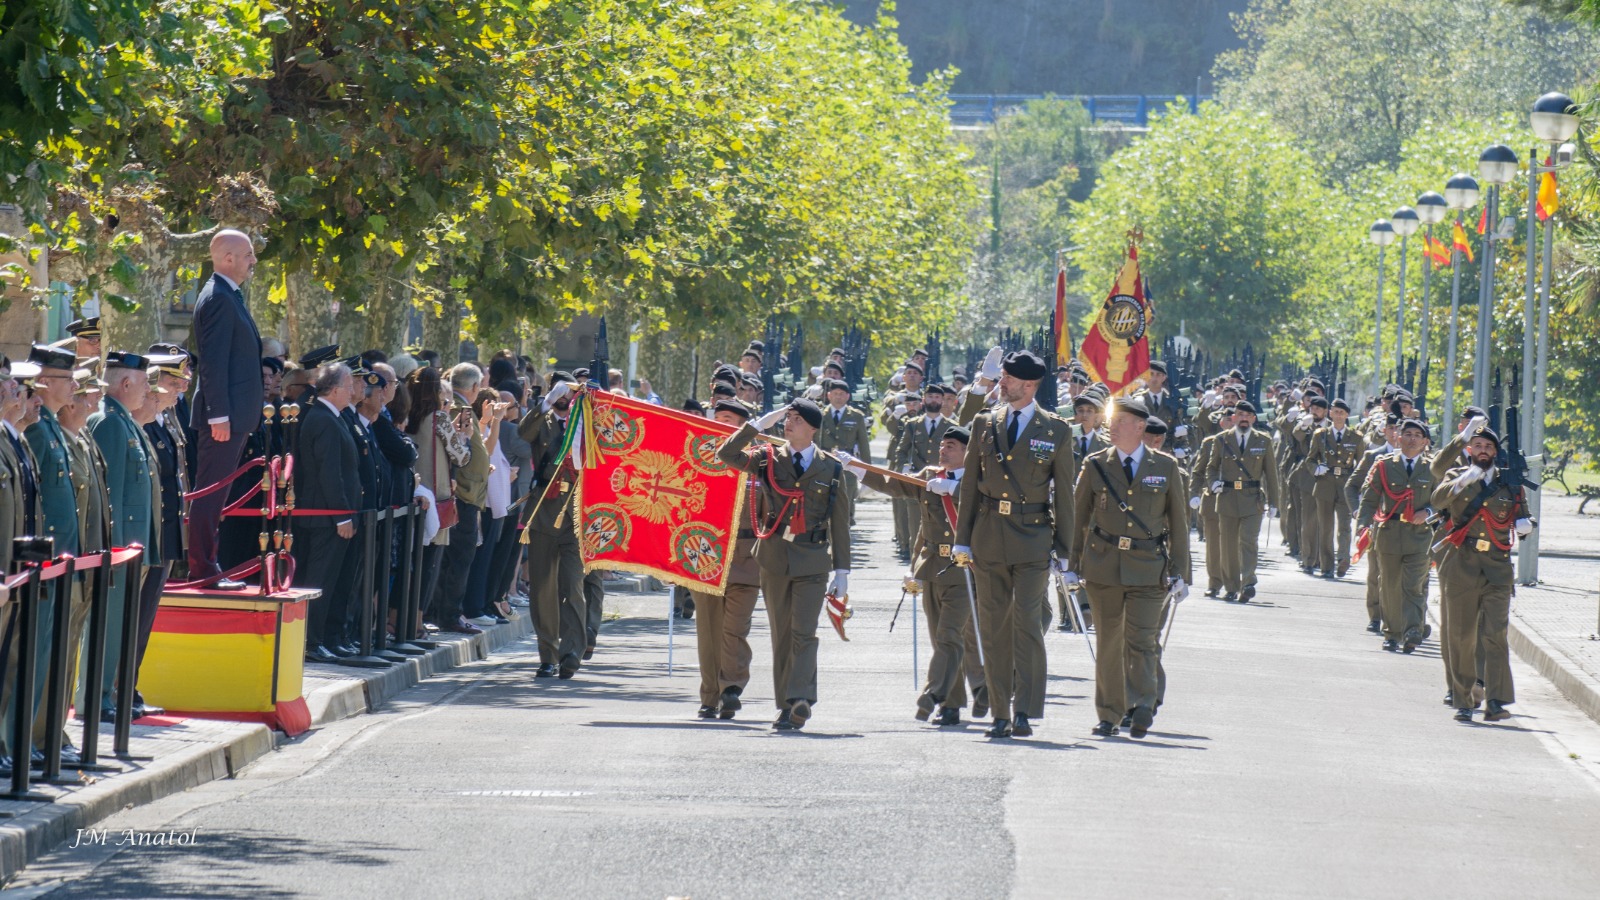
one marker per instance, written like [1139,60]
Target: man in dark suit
[227,398]
[326,477]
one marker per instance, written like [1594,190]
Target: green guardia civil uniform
[1134,538]
[131,496]
[1015,509]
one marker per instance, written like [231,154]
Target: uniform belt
[1009,507]
[1240,485]
[1482,545]
[1128,543]
[818,536]
[746,534]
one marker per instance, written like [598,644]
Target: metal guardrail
[1126,109]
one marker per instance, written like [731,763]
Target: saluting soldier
[1452,455]
[1134,552]
[1475,576]
[1389,433]
[1335,452]
[722,629]
[943,586]
[1010,524]
[803,536]
[1397,502]
[555,563]
[1241,474]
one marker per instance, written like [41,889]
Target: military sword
[1077,613]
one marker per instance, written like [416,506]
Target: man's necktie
[1127,468]
[1083,446]
[838,416]
[799,465]
[1409,464]
[1011,429]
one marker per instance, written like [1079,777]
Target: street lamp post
[1382,234]
[1431,207]
[1555,121]
[1404,221]
[1461,193]
[1497,165]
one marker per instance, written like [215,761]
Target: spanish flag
[1117,348]
[1059,322]
[1435,249]
[1548,200]
[1459,235]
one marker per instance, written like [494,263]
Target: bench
[1556,471]
[1589,492]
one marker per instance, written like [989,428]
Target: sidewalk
[184,753]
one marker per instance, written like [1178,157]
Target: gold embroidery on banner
[658,488]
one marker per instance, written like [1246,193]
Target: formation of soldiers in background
[1093,502]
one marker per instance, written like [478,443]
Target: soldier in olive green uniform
[1452,455]
[1397,501]
[1241,474]
[1335,452]
[945,601]
[1353,488]
[1202,498]
[19,511]
[1133,549]
[803,536]
[1009,525]
[722,629]
[94,516]
[844,428]
[555,565]
[901,407]
[1475,575]
[1166,405]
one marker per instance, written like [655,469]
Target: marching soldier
[1397,502]
[1088,437]
[1134,552]
[1335,452]
[1453,454]
[723,628]
[1167,406]
[1390,435]
[803,536]
[919,447]
[1243,478]
[1475,575]
[555,565]
[844,428]
[943,586]
[1009,525]
[1303,483]
[1202,498]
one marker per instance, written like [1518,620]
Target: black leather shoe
[1143,716]
[1427,631]
[688,608]
[949,715]
[1021,727]
[1375,627]
[1465,715]
[731,702]
[228,584]
[1127,720]
[36,758]
[108,714]
[588,654]
[349,648]
[1105,729]
[784,723]
[319,653]
[708,712]
[1000,729]
[980,703]
[569,665]
[1496,712]
[1410,640]
[800,713]
[1231,596]
[150,709]
[547,670]
[1449,698]
[1344,569]
[1213,592]
[1248,594]
[1478,694]
[1391,645]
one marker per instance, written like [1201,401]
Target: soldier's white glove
[909,583]
[944,487]
[840,585]
[1180,453]
[1180,431]
[991,365]
[816,371]
[772,418]
[1469,476]
[1297,393]
[1473,425]
[561,389]
[813,393]
[1194,502]
[1321,470]
[850,464]
[1524,527]
[899,411]
[1179,591]
[1274,512]
[905,470]
[1294,414]
[1216,487]
[1209,398]
[896,382]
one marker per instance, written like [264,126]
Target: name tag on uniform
[1483,546]
[944,550]
[1005,507]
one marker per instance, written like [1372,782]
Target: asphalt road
[1294,758]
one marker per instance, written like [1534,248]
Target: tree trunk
[441,331]
[311,314]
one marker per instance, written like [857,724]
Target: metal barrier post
[369,525]
[89,747]
[413,624]
[386,574]
[55,701]
[128,663]
[22,694]
[405,583]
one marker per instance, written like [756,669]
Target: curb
[1575,685]
[212,749]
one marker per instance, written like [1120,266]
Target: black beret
[1154,425]
[1023,364]
[1405,397]
[580,374]
[1089,398]
[319,356]
[1415,423]
[1157,365]
[1484,431]
[751,352]
[1473,412]
[957,433]
[723,389]
[273,363]
[732,406]
[1391,420]
[1319,400]
[121,359]
[937,389]
[1060,369]
[920,369]
[834,384]
[692,405]
[1341,403]
[1245,406]
[754,381]
[807,410]
[1131,407]
[54,358]
[562,375]
[919,352]
[1079,376]
[833,365]
[836,352]
[758,345]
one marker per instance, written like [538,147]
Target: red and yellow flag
[1063,339]
[652,495]
[1459,236]
[1435,249]
[1548,200]
[1117,348]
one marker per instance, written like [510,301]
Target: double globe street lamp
[1460,194]
[1382,234]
